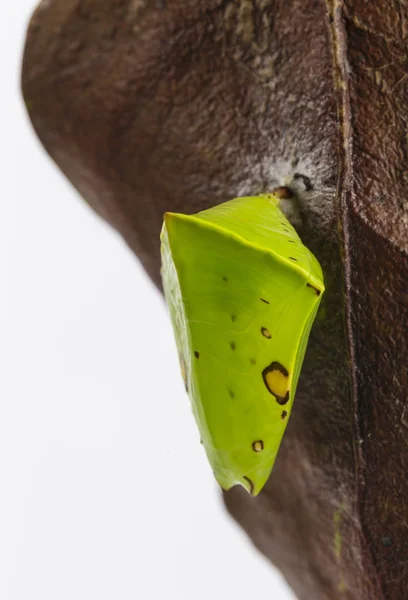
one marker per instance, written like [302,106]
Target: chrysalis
[243,292]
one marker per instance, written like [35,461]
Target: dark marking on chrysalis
[263,300]
[233,318]
[275,378]
[317,292]
[291,241]
[266,333]
[283,192]
[225,278]
[284,415]
[232,345]
[293,258]
[252,361]
[231,393]
[258,446]
[197,354]
[251,485]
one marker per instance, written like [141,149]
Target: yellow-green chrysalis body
[243,292]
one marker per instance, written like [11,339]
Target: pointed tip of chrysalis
[250,485]
[253,481]
[169,220]
[176,224]
[168,216]
[171,217]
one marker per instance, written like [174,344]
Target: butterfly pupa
[243,292]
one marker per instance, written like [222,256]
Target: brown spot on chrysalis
[292,258]
[183,371]
[276,380]
[231,393]
[233,318]
[232,345]
[251,485]
[225,278]
[291,241]
[317,292]
[284,415]
[257,446]
[263,300]
[266,333]
[252,361]
[283,192]
[197,354]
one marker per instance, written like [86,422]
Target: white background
[105,491]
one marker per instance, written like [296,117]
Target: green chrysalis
[243,292]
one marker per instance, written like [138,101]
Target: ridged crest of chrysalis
[243,292]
